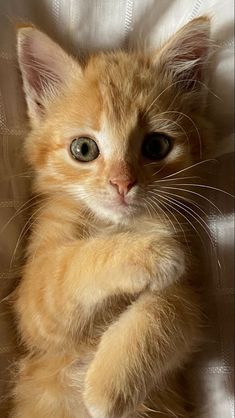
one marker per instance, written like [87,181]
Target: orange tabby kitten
[105,308]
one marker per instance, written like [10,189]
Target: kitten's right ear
[185,55]
[45,69]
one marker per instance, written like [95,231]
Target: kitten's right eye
[84,149]
[156,146]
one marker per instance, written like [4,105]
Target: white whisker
[24,232]
[194,125]
[198,219]
[195,194]
[157,172]
[176,179]
[177,222]
[170,203]
[206,187]
[154,200]
[186,200]
[191,166]
[23,208]
[169,87]
[146,206]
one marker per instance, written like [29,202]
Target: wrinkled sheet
[79,26]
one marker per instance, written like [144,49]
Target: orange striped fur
[105,309]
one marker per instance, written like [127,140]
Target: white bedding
[93,24]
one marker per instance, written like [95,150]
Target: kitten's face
[113,129]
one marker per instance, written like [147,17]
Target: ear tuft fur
[185,55]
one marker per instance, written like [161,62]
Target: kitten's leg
[49,386]
[152,338]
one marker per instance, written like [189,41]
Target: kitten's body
[106,308]
[63,331]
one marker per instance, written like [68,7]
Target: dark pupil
[154,146]
[84,148]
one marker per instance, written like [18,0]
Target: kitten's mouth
[119,202]
[122,202]
[117,209]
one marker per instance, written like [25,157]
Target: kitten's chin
[116,214]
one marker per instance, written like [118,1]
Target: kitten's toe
[105,406]
[96,412]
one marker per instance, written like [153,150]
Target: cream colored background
[82,25]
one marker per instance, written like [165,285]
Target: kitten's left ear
[45,69]
[185,55]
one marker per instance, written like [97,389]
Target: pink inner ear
[42,61]
[39,75]
[191,60]
[186,53]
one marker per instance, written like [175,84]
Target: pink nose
[123,185]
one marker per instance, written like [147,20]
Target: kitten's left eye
[84,149]
[156,146]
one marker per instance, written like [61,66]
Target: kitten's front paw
[102,407]
[104,398]
[105,411]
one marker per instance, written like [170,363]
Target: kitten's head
[105,131]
